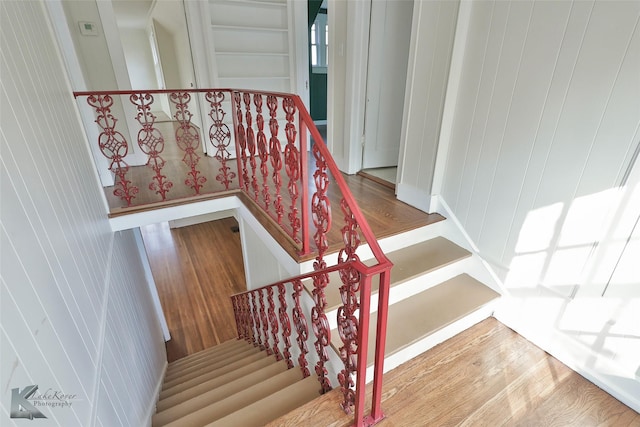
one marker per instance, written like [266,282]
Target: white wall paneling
[430,54]
[76,315]
[545,126]
[137,51]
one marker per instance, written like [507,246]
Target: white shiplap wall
[434,26]
[546,123]
[548,113]
[76,315]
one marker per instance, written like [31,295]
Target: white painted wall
[137,52]
[168,57]
[545,127]
[349,27]
[336,82]
[76,314]
[265,261]
[430,50]
[103,66]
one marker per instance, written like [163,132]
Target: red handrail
[282,162]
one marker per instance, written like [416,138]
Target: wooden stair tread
[208,363]
[238,401]
[177,396]
[181,384]
[423,314]
[408,262]
[272,406]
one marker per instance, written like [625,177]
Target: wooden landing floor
[485,376]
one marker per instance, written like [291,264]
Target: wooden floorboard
[196,269]
[485,376]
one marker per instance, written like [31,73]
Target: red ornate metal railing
[355,284]
[198,141]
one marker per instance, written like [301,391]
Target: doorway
[388,57]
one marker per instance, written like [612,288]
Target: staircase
[232,384]
[237,384]
[431,300]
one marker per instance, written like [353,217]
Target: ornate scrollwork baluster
[255,324]
[348,325]
[321,214]
[188,139]
[273,322]
[253,337]
[242,141]
[251,145]
[292,167]
[220,137]
[285,323]
[302,330]
[113,146]
[151,142]
[276,157]
[263,152]
[265,322]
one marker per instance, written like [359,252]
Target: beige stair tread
[211,396]
[220,348]
[273,406]
[408,262]
[201,369]
[186,391]
[197,377]
[208,354]
[212,362]
[237,401]
[250,374]
[421,315]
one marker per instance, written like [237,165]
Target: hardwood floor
[196,269]
[485,376]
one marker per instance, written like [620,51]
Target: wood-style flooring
[196,269]
[485,376]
